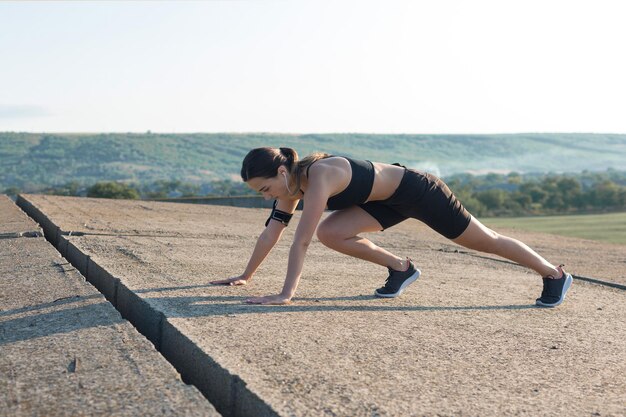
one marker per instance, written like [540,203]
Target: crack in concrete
[66,298]
[143,320]
[180,236]
[15,235]
[62,266]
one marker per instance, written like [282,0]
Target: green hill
[31,161]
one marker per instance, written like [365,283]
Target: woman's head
[276,172]
[265,162]
[268,171]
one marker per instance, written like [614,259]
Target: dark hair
[264,163]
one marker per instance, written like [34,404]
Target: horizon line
[150,132]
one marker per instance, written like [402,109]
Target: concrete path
[465,339]
[65,350]
[14,222]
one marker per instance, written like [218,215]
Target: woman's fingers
[228,281]
[220,282]
[270,299]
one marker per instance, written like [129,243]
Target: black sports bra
[358,190]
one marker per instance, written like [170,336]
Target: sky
[342,66]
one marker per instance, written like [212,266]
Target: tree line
[555,194]
[491,195]
[161,189]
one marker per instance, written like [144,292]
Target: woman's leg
[340,230]
[479,237]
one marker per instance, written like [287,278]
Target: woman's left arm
[315,202]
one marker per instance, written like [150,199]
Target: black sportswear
[358,190]
[420,196]
[424,197]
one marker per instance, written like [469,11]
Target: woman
[368,197]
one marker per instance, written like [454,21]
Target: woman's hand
[238,280]
[270,299]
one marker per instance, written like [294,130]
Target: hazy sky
[436,66]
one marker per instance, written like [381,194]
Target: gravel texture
[464,340]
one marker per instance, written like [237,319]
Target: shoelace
[391,271]
[388,280]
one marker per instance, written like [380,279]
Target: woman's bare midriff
[387,178]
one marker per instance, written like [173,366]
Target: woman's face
[271,188]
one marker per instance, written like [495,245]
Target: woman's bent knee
[327,235]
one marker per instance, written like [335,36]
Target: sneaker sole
[566,286]
[405,284]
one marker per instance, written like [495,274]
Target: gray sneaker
[397,281]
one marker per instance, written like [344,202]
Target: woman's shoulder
[332,174]
[328,164]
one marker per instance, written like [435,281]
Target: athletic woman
[368,197]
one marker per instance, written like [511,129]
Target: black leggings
[424,197]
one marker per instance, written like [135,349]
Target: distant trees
[515,195]
[12,191]
[167,189]
[161,189]
[72,189]
[489,195]
[229,188]
[494,199]
[112,190]
[607,194]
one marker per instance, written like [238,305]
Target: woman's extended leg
[479,237]
[340,230]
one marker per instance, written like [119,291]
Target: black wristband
[279,215]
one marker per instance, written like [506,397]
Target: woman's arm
[316,198]
[264,244]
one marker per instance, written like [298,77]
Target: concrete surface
[65,350]
[14,222]
[465,339]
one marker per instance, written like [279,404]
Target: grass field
[602,227]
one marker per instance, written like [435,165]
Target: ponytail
[290,155]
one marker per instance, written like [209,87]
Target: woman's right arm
[264,244]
